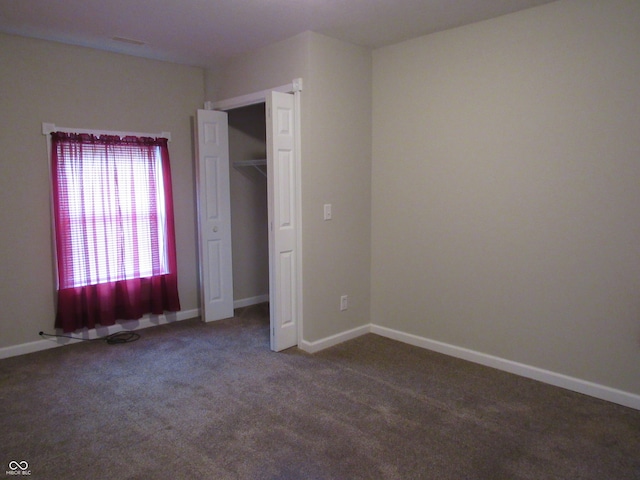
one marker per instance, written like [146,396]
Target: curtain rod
[48,128]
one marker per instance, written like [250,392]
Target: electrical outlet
[344,303]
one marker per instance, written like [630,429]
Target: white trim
[99,332]
[552,378]
[251,98]
[298,165]
[313,347]
[247,302]
[48,128]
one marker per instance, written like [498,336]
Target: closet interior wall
[249,219]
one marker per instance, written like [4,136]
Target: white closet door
[283,219]
[214,212]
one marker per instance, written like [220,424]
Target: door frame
[295,87]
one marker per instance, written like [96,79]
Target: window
[113,220]
[111,210]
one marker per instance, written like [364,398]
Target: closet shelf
[253,163]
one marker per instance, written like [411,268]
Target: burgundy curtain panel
[114,229]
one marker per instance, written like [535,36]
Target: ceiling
[208,32]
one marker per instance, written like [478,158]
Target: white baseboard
[552,378]
[247,302]
[313,347]
[99,332]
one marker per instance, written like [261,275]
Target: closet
[249,226]
[248,192]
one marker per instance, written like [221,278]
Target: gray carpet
[210,401]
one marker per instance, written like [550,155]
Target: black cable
[122,337]
[113,339]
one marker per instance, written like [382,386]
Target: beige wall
[336,169]
[249,226]
[78,87]
[336,159]
[272,66]
[506,188]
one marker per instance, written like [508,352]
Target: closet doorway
[281,170]
[249,212]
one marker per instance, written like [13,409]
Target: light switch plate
[327,211]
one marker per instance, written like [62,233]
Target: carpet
[211,401]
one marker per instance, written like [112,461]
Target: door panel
[214,212]
[283,218]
